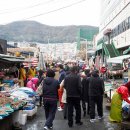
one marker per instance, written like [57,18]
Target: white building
[58,51]
[115,24]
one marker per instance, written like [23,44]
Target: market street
[60,124]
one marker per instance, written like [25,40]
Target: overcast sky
[51,12]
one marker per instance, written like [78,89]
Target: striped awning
[31,62]
[34,62]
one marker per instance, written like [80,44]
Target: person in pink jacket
[32,83]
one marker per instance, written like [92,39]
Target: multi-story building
[58,51]
[114,31]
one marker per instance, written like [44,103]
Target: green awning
[126,51]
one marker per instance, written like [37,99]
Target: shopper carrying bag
[40,89]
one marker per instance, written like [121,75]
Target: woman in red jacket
[122,93]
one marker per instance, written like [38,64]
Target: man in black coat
[96,91]
[72,84]
[85,88]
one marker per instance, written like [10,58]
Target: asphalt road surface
[60,124]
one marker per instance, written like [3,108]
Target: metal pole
[102,54]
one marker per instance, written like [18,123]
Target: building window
[127,23]
[120,28]
[123,26]
[111,35]
[116,31]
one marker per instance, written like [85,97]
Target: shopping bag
[39,90]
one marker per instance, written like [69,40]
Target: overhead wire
[52,11]
[13,10]
[24,8]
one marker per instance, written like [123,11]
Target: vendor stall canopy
[118,59]
[6,60]
[11,58]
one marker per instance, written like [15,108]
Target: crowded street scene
[65,64]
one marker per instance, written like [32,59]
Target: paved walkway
[60,124]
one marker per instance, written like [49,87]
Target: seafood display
[8,104]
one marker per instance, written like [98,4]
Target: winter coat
[96,85]
[72,84]
[22,74]
[50,88]
[31,73]
[85,88]
[32,83]
[63,99]
[62,75]
[64,96]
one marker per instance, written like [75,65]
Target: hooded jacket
[96,85]
[50,88]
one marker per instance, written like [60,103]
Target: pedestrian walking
[85,88]
[96,91]
[50,98]
[60,91]
[72,84]
[63,100]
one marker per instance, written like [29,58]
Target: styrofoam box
[35,109]
[30,112]
[16,115]
[19,117]
[23,119]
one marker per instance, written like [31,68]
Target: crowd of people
[66,88]
[69,88]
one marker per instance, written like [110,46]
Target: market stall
[16,103]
